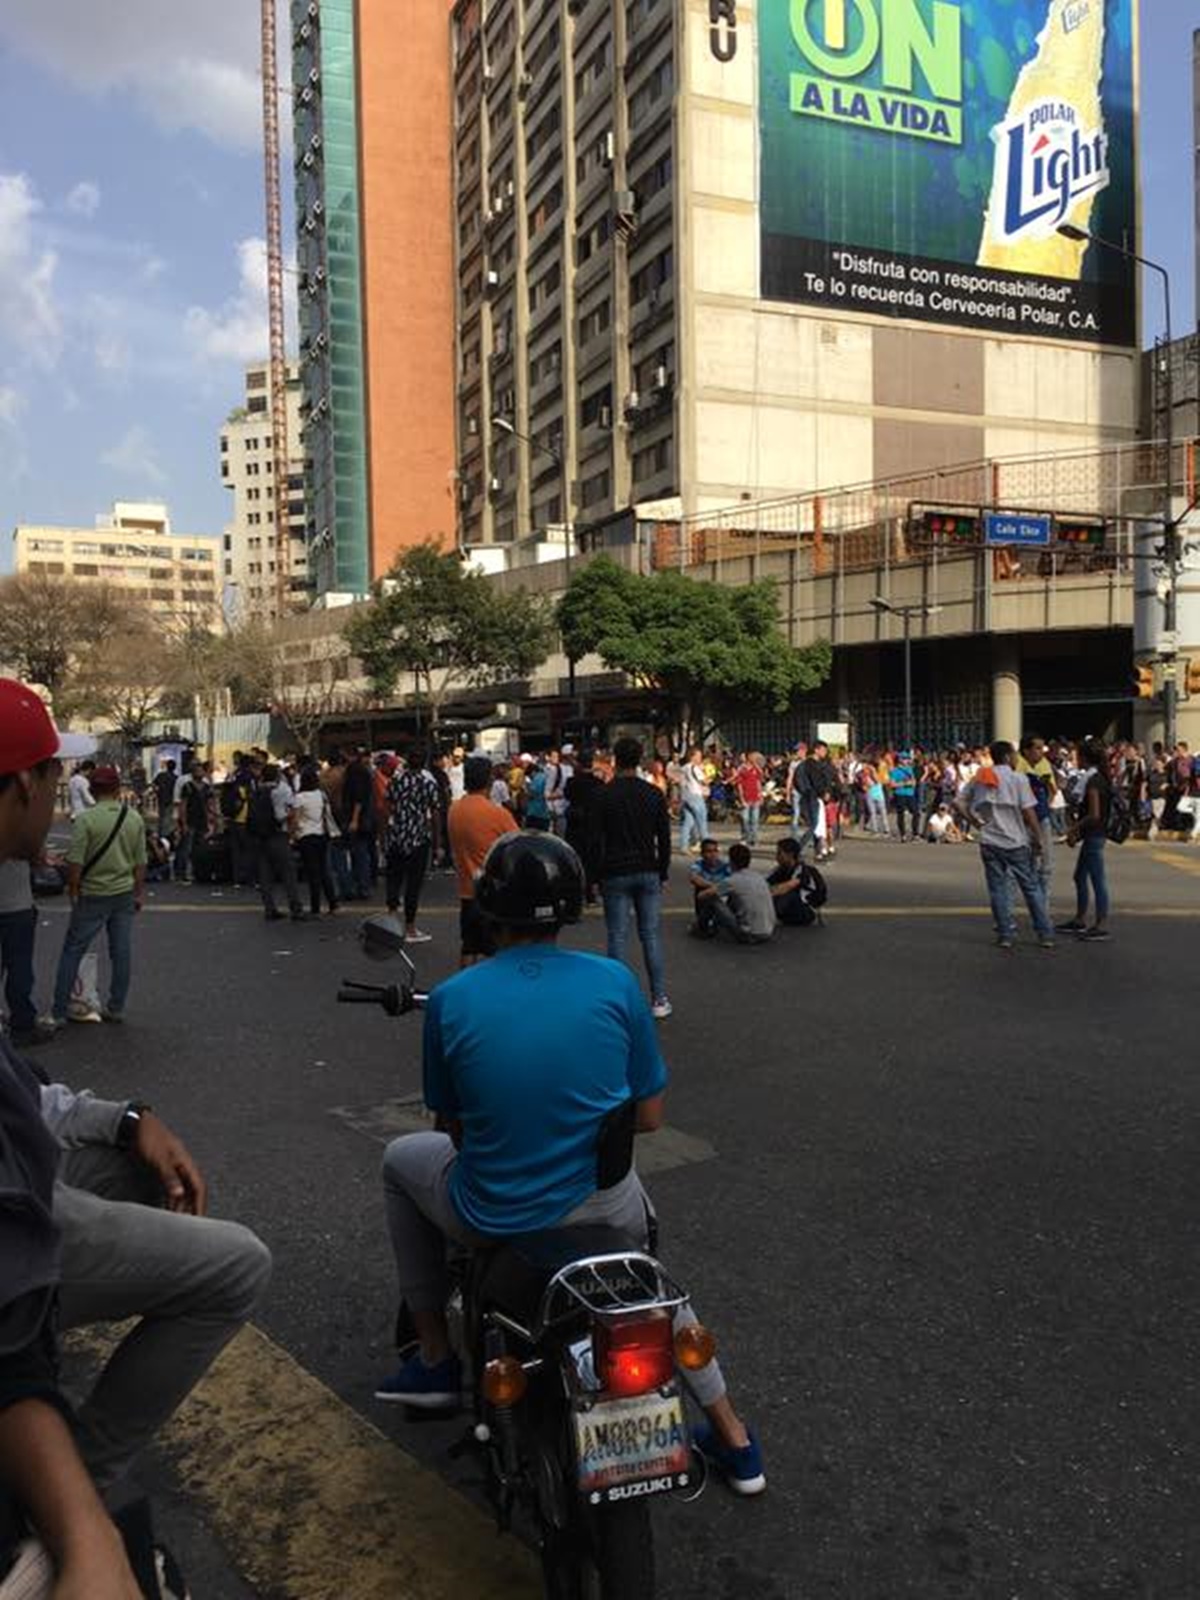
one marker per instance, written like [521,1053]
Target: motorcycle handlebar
[395,999]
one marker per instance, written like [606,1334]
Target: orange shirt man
[475,823]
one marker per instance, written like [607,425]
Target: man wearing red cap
[71,1251]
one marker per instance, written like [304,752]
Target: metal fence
[867,525]
[963,718]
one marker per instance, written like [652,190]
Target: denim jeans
[339,865]
[877,817]
[693,818]
[184,846]
[640,893]
[1089,868]
[751,816]
[362,862]
[90,913]
[406,873]
[17,931]
[804,817]
[1001,868]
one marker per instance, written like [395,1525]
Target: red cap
[104,778]
[27,733]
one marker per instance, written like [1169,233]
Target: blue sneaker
[427,1388]
[742,1469]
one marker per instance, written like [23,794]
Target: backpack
[813,890]
[262,822]
[232,799]
[1120,819]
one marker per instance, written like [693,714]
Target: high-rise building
[178,576]
[713,252]
[248,468]
[376,285]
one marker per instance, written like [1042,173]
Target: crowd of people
[340,827]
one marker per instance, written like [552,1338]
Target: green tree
[447,626]
[711,649]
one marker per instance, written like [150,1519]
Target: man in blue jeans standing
[106,876]
[632,846]
[1000,805]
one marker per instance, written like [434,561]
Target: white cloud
[84,199]
[189,66]
[14,457]
[12,403]
[29,318]
[238,330]
[134,457]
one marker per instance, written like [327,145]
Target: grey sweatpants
[421,1217]
[190,1281]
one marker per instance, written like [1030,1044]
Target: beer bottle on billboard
[1051,149]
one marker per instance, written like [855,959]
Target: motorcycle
[569,1347]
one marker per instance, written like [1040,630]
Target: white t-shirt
[940,824]
[457,780]
[79,794]
[693,781]
[999,805]
[309,809]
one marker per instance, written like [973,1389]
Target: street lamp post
[558,457]
[907,613]
[1166,654]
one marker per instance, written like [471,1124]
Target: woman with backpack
[1091,802]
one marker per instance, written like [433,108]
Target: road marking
[1185,863]
[832,913]
[656,1152]
[315,1503]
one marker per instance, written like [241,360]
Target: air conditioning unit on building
[464,492]
[633,403]
[625,203]
[606,149]
[496,485]
[524,84]
[662,379]
[491,278]
[510,190]
[604,417]
[489,72]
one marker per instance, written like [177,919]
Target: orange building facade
[376,266]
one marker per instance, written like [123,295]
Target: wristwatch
[128,1126]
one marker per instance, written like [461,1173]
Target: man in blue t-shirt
[519,1121]
[904,796]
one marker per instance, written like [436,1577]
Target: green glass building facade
[329,260]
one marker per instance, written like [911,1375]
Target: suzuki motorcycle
[570,1352]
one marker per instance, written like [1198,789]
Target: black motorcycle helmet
[530,881]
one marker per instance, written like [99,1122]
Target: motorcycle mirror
[382,939]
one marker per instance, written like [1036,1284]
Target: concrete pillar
[1006,689]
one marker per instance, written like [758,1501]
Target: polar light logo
[1046,161]
[910,50]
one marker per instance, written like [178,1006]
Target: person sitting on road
[942,828]
[736,900]
[519,1121]
[797,889]
[708,877]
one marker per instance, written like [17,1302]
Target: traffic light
[1083,532]
[950,527]
[1143,681]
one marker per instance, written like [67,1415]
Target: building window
[594,323]
[596,407]
[594,239]
[595,489]
[655,459]
[660,83]
[652,276]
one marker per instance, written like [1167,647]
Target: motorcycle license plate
[632,1446]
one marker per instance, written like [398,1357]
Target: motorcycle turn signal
[504,1381]
[694,1347]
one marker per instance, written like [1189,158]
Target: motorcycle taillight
[635,1355]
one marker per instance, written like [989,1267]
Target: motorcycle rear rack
[632,1281]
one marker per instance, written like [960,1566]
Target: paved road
[939,1201]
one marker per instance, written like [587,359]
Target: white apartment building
[133,549]
[248,468]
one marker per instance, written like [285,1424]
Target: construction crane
[279,438]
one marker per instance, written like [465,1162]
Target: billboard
[918,157]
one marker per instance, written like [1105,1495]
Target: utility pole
[278,376]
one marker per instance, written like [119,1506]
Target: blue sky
[131,221]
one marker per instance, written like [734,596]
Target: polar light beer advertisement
[918,157]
